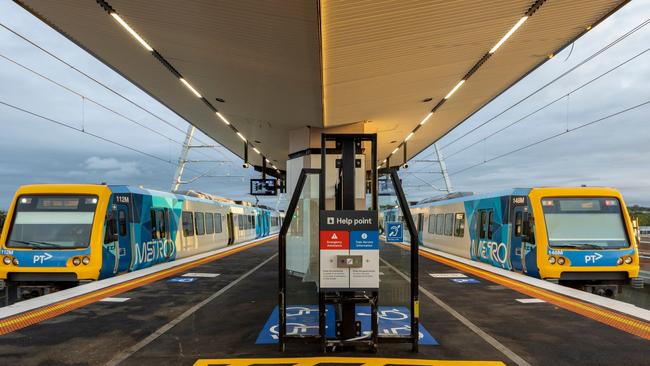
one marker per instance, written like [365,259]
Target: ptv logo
[592,257]
[41,258]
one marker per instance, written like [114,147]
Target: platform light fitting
[267,160]
[257,151]
[510,32]
[409,136]
[460,83]
[132,32]
[198,95]
[426,119]
[223,119]
[394,151]
[241,136]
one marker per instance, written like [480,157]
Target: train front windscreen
[584,223]
[52,222]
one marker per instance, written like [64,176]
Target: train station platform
[216,309]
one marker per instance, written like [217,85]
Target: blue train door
[124,248]
[516,243]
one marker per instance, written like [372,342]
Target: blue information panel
[394,232]
[303,320]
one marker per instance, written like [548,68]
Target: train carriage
[579,236]
[57,236]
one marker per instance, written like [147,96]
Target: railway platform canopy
[323,94]
[269,72]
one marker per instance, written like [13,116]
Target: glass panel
[394,290]
[302,261]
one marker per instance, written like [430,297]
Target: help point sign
[349,250]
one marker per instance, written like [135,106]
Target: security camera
[245,165]
[405,166]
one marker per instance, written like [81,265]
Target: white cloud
[113,168]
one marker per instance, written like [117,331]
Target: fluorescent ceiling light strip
[255,149]
[133,33]
[426,119]
[409,136]
[510,32]
[241,136]
[190,87]
[394,151]
[460,83]
[223,118]
[267,160]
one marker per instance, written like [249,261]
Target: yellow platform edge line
[366,361]
[48,311]
[593,312]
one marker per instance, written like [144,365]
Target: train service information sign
[349,249]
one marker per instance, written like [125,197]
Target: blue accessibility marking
[394,232]
[182,279]
[303,320]
[364,239]
[465,280]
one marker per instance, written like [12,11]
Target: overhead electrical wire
[601,119]
[170,124]
[575,67]
[72,127]
[447,156]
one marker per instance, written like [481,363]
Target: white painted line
[115,299]
[138,346]
[530,301]
[518,360]
[63,295]
[612,304]
[447,275]
[200,274]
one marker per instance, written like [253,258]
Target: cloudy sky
[613,152]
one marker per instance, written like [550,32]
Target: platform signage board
[394,232]
[264,187]
[349,249]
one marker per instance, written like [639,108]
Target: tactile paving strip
[614,319]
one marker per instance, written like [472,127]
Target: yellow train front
[578,236]
[52,238]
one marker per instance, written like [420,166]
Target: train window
[440,224]
[252,222]
[482,223]
[518,224]
[240,222]
[449,223]
[158,227]
[217,223]
[199,223]
[432,224]
[188,224]
[490,224]
[121,222]
[209,223]
[459,225]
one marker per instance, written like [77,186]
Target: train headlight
[551,260]
[76,261]
[628,260]
[6,260]
[15,261]
[560,261]
[85,260]
[619,261]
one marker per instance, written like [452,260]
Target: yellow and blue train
[577,236]
[57,236]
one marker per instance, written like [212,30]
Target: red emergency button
[334,240]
